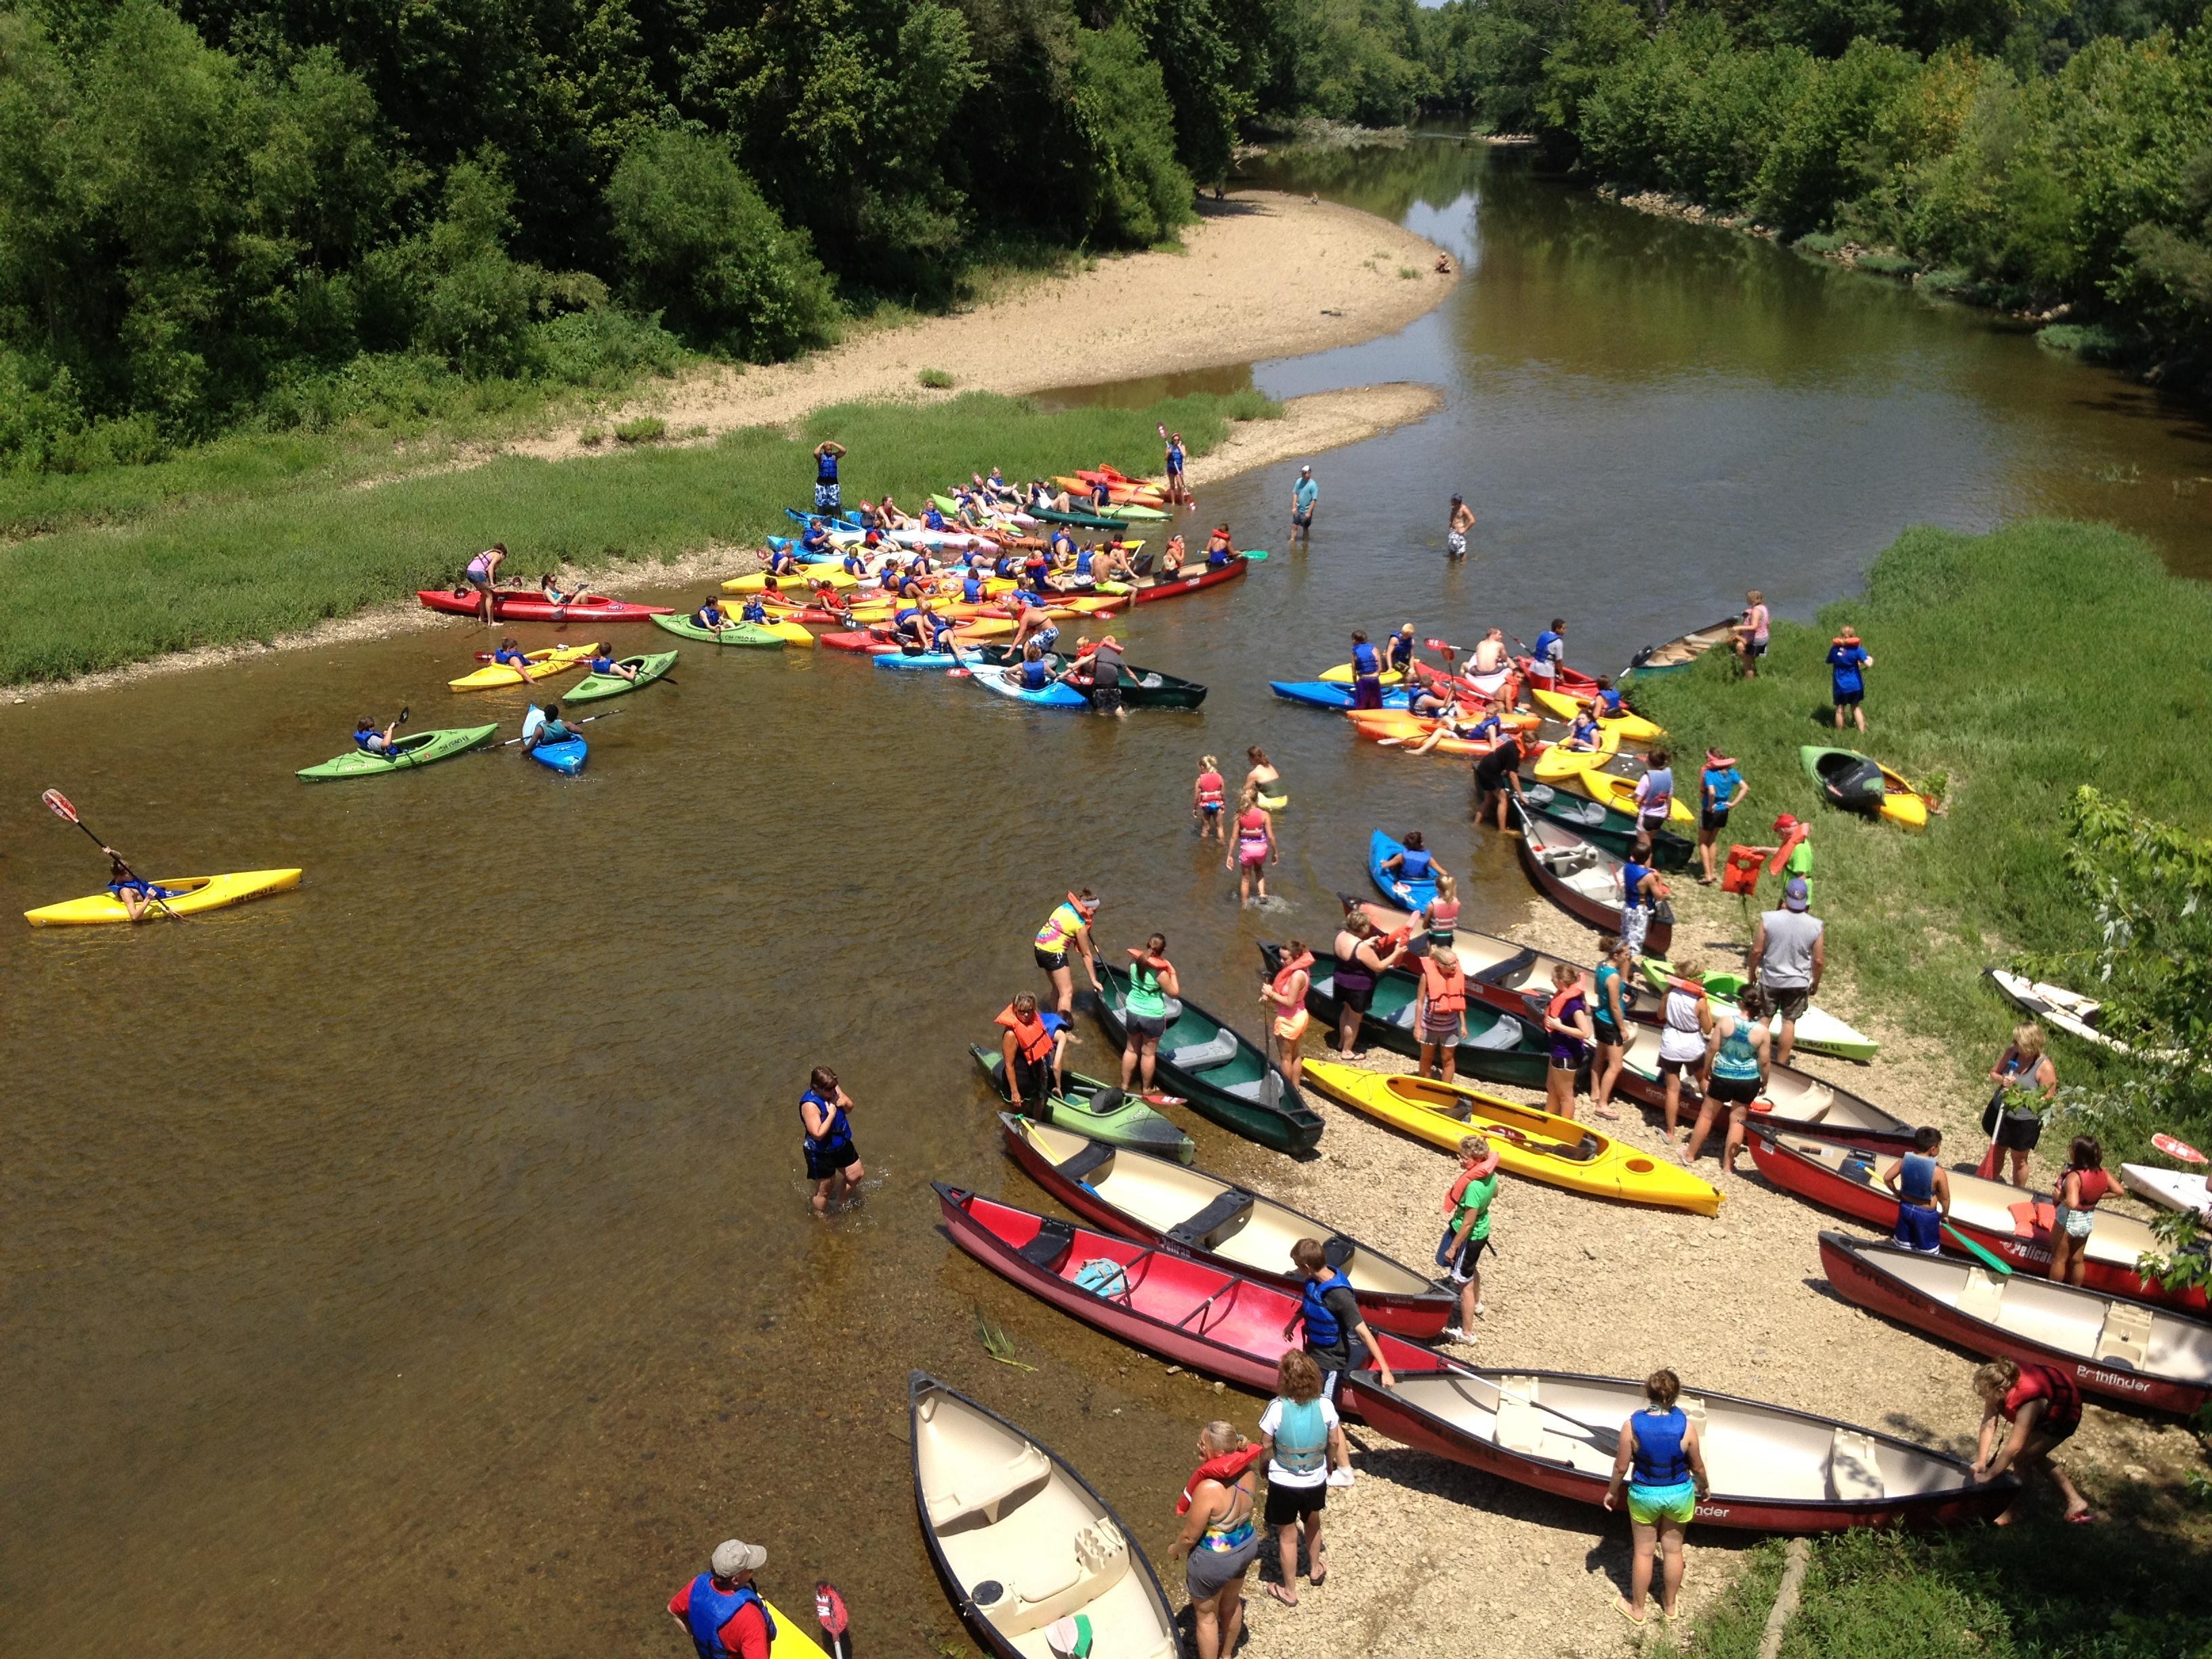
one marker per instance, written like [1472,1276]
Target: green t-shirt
[1476,1197]
[1801,863]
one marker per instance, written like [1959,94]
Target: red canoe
[2123,1350]
[1220,1323]
[2009,1222]
[531,607]
[1772,1469]
[1210,577]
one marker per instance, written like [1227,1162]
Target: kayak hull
[1153,592]
[1599,825]
[1501,1047]
[1238,1089]
[767,639]
[1626,728]
[1834,771]
[1320,694]
[566,757]
[543,664]
[1132,1122]
[1673,656]
[1581,878]
[189,896]
[423,749]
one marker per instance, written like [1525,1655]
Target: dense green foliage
[2022,151]
[217,213]
[274,555]
[1963,686]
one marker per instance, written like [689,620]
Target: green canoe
[1500,1046]
[420,749]
[592,686]
[735,634]
[1101,1111]
[1595,822]
[1221,1073]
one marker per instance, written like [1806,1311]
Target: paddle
[604,714]
[2002,1269]
[392,754]
[59,804]
[2176,1148]
[836,1624]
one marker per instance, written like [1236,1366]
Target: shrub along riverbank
[2016,667]
[221,573]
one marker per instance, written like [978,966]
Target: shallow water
[421,1259]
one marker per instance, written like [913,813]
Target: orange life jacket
[1296,965]
[1228,1468]
[1032,1039]
[1447,993]
[1560,999]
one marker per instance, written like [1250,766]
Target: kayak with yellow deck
[1611,789]
[797,581]
[1531,1143]
[1631,726]
[1559,763]
[1342,675]
[182,896]
[542,664]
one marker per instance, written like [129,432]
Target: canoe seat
[981,1491]
[1504,1033]
[1508,970]
[1256,1090]
[1336,1250]
[1088,1162]
[1521,1428]
[1054,1239]
[1218,1050]
[1568,861]
[1052,1586]
[1198,1231]
[1853,1470]
[1982,1297]
[2125,1336]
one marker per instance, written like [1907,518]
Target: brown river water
[420,1261]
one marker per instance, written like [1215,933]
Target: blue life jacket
[1175,458]
[825,469]
[1323,1328]
[1611,698]
[507,656]
[755,612]
[840,1130]
[933,519]
[709,616]
[1398,651]
[1488,726]
[711,1608]
[1916,1178]
[1061,542]
[1364,662]
[1035,676]
[361,737]
[1415,863]
[1659,1459]
[853,563]
[972,589]
[603,665]
[815,539]
[1632,878]
[1083,563]
[1584,729]
[905,620]
[1548,644]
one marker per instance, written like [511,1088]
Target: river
[420,1261]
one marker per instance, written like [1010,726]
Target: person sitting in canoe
[1171,558]
[604,661]
[710,614]
[1219,549]
[1113,564]
[1412,862]
[370,741]
[1330,1312]
[1035,673]
[1397,652]
[139,896]
[544,726]
[483,575]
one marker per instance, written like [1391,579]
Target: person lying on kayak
[370,741]
[1219,550]
[1412,862]
[510,654]
[543,726]
[138,895]
[1463,724]
[604,661]
[483,575]
[995,488]
[1398,651]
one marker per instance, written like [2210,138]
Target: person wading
[833,1163]
[1144,1011]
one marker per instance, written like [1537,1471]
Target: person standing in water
[1207,798]
[1661,1463]
[1303,494]
[833,1163]
[1366,672]
[1456,527]
[826,456]
[1255,847]
[1848,662]
[1265,781]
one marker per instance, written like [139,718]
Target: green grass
[2021,664]
[645,429]
[936,380]
[214,572]
[1887,264]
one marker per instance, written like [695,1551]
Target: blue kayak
[566,757]
[1006,683]
[938,660]
[1320,694]
[1406,895]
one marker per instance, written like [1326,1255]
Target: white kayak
[2171,1189]
[2067,1011]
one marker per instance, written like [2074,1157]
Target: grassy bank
[214,573]
[2017,664]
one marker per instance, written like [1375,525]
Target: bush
[645,429]
[935,378]
[2092,341]
[1887,264]
[701,247]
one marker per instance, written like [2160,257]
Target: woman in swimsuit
[1255,846]
[1206,799]
[1265,781]
[1222,1542]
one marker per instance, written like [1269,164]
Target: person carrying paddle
[721,1612]
[1305,1440]
[833,1163]
[1923,1188]
[2012,1120]
[1366,672]
[2040,1406]
[1661,1463]
[1441,1018]
[1848,662]
[483,575]
[826,456]
[1498,776]
[1567,1022]
[1456,527]
[2080,1185]
[1068,928]
[1468,1206]
[1334,1324]
[1721,788]
[1222,1542]
[1789,954]
[710,614]
[1735,1074]
[1153,981]
[1303,494]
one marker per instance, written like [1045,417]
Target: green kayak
[1818,1032]
[1101,1111]
[735,634]
[649,669]
[420,749]
[1595,822]
[1498,1048]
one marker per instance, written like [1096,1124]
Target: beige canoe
[1021,1540]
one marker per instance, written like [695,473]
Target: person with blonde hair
[1568,1024]
[2040,1406]
[2012,1120]
[1442,1017]
[1751,634]
[1661,1463]
[1304,1439]
[1255,846]
[1222,1542]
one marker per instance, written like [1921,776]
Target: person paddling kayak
[370,741]
[139,896]
[710,614]
[543,726]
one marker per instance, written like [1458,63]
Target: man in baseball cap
[1789,954]
[1303,494]
[720,1611]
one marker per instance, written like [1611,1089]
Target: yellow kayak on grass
[187,896]
[542,664]
[1559,763]
[1531,1143]
[1610,789]
[796,582]
[1632,727]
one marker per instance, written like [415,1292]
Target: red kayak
[1217,1322]
[1213,576]
[1570,682]
[856,640]
[2009,1222]
[524,606]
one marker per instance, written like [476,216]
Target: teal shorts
[1649,1505]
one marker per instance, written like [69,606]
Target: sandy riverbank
[1427,1556]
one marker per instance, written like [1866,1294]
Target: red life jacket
[2095,1183]
[1209,788]
[1226,1468]
[2061,1398]
[1295,966]
[1032,1039]
[1561,999]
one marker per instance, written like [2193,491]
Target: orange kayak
[1376,724]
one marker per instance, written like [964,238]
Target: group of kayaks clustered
[978,586]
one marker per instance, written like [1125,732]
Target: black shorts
[1609,1034]
[1712,821]
[1288,1505]
[1688,1068]
[2018,1133]
[1733,1091]
[1755,648]
[2052,1433]
[820,1166]
[1358,998]
[1106,698]
[1154,1026]
[1849,699]
[1790,1001]
[1051,961]
[1470,1254]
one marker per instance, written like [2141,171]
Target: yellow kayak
[1609,789]
[796,582]
[791,1641]
[187,895]
[1632,727]
[1559,763]
[1531,1143]
[1342,675]
[542,664]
